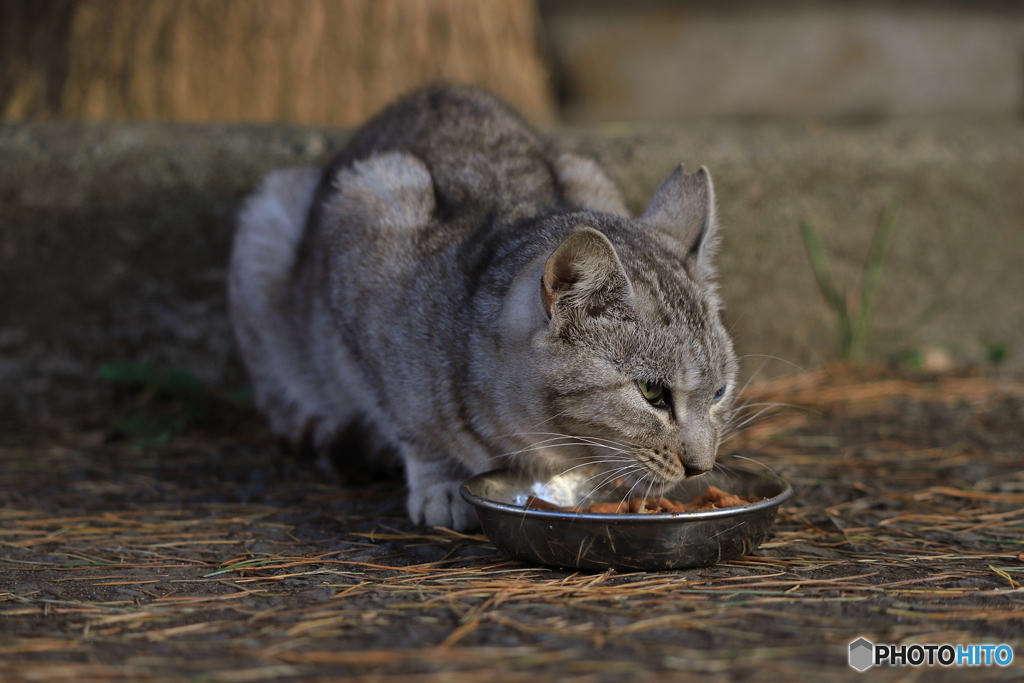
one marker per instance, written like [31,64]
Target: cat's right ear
[684,207]
[583,276]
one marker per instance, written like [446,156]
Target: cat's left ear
[584,275]
[684,207]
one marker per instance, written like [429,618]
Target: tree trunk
[323,62]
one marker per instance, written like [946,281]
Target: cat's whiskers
[610,454]
[714,476]
[760,367]
[544,421]
[602,472]
[588,459]
[627,462]
[756,462]
[565,439]
[754,374]
[631,465]
[620,444]
[768,357]
[650,487]
[738,414]
[627,473]
[644,474]
[616,474]
[611,474]
[776,404]
[741,419]
[732,434]
[732,426]
[722,467]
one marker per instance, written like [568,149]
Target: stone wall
[673,60]
[114,238]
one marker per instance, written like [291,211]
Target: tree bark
[322,62]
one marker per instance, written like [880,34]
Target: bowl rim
[627,517]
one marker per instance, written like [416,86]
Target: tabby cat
[478,300]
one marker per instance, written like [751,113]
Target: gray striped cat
[477,300]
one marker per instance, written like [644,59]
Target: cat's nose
[694,471]
[697,458]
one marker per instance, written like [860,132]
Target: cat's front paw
[441,505]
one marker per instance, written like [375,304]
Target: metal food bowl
[625,541]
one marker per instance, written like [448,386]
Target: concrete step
[114,237]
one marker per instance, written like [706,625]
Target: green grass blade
[869,279]
[827,284]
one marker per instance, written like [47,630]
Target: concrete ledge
[953,275]
[113,244]
[114,238]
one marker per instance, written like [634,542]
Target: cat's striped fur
[467,293]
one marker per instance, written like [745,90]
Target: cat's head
[636,362]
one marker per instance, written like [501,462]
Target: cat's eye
[718,395]
[654,393]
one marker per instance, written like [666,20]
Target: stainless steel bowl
[643,541]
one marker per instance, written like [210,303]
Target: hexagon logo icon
[862,653]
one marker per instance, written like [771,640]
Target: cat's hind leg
[355,454]
[271,319]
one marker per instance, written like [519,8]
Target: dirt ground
[218,557]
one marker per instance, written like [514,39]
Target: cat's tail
[270,228]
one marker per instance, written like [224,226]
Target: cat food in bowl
[648,539]
[712,499]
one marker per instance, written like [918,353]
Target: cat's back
[481,155]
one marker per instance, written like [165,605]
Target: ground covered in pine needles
[217,557]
